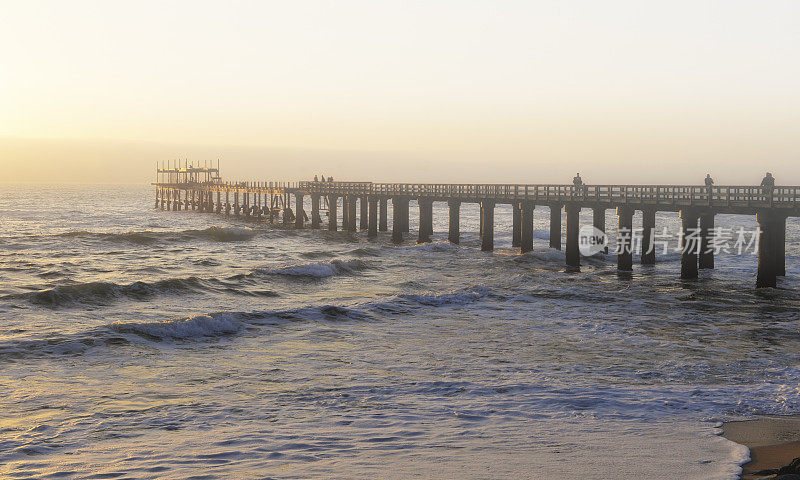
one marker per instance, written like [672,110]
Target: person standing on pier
[709,185]
[577,183]
[768,183]
[316,179]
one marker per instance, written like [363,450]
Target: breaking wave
[101,293]
[183,328]
[223,324]
[317,269]
[146,237]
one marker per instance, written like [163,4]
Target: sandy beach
[773,442]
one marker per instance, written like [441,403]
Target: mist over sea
[138,343]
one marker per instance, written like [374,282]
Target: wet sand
[773,442]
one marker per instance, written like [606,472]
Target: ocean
[138,343]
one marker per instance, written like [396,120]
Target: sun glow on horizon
[622,91]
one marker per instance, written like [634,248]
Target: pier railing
[679,195]
[736,196]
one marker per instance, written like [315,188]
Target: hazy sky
[473,91]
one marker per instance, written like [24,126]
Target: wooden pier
[201,189]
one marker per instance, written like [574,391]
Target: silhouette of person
[768,183]
[577,182]
[709,185]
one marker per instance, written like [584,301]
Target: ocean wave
[102,293]
[316,269]
[464,296]
[433,247]
[146,237]
[210,326]
[458,297]
[183,328]
[224,234]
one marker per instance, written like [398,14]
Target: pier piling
[555,226]
[625,239]
[648,228]
[425,220]
[516,224]
[372,227]
[526,227]
[573,256]
[383,224]
[706,259]
[487,215]
[454,233]
[397,219]
[690,244]
[332,220]
[363,222]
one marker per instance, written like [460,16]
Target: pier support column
[219,202]
[599,222]
[780,247]
[351,213]
[625,239]
[227,202]
[288,214]
[397,218]
[372,228]
[273,202]
[383,207]
[690,244]
[332,214]
[200,201]
[316,221]
[236,207]
[573,254]
[555,226]
[526,227]
[487,217]
[425,220]
[769,227]
[516,224]
[158,191]
[454,231]
[706,249]
[648,229]
[345,212]
[300,213]
[406,222]
[364,221]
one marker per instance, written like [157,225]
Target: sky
[404,91]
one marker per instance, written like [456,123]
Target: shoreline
[773,441]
